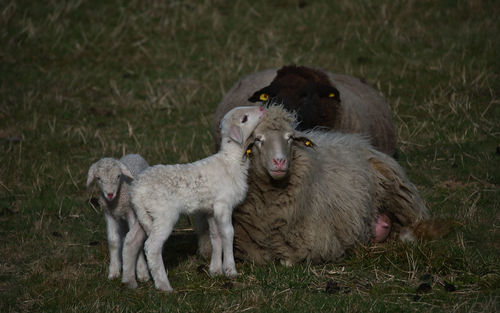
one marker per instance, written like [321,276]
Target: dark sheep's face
[315,103]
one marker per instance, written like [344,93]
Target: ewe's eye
[258,141]
[264,97]
[245,119]
[98,178]
[331,95]
[119,175]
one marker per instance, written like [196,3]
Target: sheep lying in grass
[114,178]
[214,185]
[313,195]
[320,99]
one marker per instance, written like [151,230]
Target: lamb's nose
[110,196]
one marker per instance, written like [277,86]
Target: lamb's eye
[331,95]
[119,175]
[98,178]
[264,97]
[245,119]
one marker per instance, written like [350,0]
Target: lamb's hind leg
[132,256]
[222,216]
[160,232]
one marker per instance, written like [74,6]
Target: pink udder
[382,228]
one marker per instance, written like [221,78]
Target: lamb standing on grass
[214,185]
[114,178]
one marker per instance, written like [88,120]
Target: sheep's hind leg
[153,248]
[222,215]
[215,239]
[131,250]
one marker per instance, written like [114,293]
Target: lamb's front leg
[222,216]
[115,241]
[215,239]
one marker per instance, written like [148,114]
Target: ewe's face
[273,152]
[108,180]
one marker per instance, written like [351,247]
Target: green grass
[80,80]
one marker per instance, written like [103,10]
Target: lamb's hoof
[165,287]
[130,284]
[113,275]
[215,272]
[143,277]
[230,272]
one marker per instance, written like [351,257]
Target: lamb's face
[108,179]
[239,123]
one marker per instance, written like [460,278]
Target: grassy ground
[84,79]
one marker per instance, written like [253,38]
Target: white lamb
[114,178]
[214,185]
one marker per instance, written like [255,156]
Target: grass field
[84,79]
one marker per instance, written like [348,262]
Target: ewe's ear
[236,134]
[303,141]
[91,174]
[126,171]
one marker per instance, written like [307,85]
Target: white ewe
[214,185]
[114,178]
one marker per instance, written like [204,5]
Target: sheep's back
[364,110]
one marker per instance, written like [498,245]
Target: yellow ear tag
[249,152]
[308,143]
[331,95]
[263,97]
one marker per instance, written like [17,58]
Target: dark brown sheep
[320,99]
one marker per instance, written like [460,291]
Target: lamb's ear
[236,133]
[91,174]
[126,171]
[303,141]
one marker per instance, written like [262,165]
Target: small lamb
[214,185]
[114,178]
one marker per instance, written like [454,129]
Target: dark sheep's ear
[304,141]
[262,95]
[327,91]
